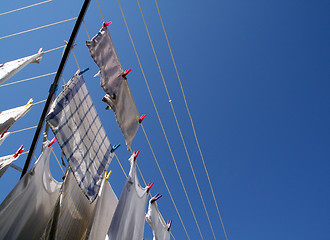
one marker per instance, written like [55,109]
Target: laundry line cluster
[88,152]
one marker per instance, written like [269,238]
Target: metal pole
[54,85]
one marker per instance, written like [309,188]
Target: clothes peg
[107,176]
[106,24]
[126,72]
[52,141]
[142,118]
[156,197]
[40,50]
[136,154]
[3,134]
[83,71]
[29,102]
[114,148]
[169,224]
[149,186]
[19,151]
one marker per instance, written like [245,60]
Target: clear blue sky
[256,77]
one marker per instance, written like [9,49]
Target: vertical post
[54,85]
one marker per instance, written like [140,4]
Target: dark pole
[54,85]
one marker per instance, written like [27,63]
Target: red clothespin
[126,72]
[106,24]
[52,141]
[169,224]
[149,186]
[19,151]
[142,118]
[156,197]
[3,134]
[136,154]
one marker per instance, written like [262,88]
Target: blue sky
[256,77]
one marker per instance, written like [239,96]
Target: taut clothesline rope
[155,109]
[28,79]
[37,28]
[176,120]
[22,8]
[191,120]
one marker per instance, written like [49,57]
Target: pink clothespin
[136,154]
[40,50]
[149,186]
[3,134]
[52,141]
[19,151]
[106,24]
[126,72]
[169,224]
[156,197]
[142,118]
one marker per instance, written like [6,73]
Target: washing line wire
[28,79]
[37,28]
[22,8]
[156,112]
[24,129]
[191,120]
[176,120]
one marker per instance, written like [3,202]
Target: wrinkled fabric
[5,163]
[106,204]
[3,137]
[25,211]
[9,69]
[157,223]
[10,116]
[119,96]
[128,219]
[72,213]
[81,136]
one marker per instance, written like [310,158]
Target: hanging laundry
[9,69]
[25,211]
[114,83]
[106,204]
[160,230]
[72,213]
[80,134]
[3,137]
[7,160]
[128,219]
[10,116]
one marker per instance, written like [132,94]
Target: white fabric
[119,96]
[5,163]
[25,211]
[72,213]
[106,204]
[9,69]
[10,116]
[157,223]
[128,219]
[3,137]
[79,132]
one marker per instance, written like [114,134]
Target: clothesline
[22,8]
[37,28]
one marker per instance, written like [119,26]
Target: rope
[37,28]
[191,120]
[121,165]
[39,102]
[21,130]
[53,49]
[22,8]
[28,79]
[100,10]
[161,173]
[59,164]
[176,120]
[155,110]
[86,30]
